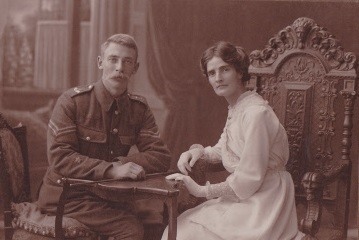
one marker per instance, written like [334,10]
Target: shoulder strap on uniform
[81,89]
[137,98]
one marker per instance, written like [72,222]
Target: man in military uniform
[90,133]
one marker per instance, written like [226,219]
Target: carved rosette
[302,69]
[304,33]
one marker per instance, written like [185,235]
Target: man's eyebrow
[113,56]
[129,58]
[116,56]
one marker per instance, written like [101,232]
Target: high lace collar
[243,98]
[246,99]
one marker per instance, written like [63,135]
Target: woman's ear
[99,62]
[239,76]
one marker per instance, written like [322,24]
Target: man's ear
[136,68]
[99,62]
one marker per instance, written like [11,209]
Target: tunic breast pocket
[91,141]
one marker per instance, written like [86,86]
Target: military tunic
[89,130]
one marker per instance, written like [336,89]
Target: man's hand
[194,189]
[188,159]
[127,170]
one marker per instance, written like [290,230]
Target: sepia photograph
[179,119]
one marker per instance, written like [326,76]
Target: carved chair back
[310,82]
[14,170]
[22,218]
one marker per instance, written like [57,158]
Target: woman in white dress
[257,199]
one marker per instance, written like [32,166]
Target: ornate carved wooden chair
[22,219]
[311,83]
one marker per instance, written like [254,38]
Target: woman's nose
[218,77]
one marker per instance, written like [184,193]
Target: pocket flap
[91,135]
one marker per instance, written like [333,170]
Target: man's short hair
[122,39]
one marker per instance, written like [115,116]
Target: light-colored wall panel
[84,54]
[51,55]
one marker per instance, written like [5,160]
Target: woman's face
[225,80]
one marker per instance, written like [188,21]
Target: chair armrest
[202,167]
[199,175]
[59,234]
[68,186]
[313,184]
[185,199]
[211,166]
[199,171]
[332,173]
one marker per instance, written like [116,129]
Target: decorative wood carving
[295,101]
[304,69]
[349,95]
[313,185]
[301,72]
[304,33]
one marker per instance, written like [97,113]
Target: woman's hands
[194,189]
[127,170]
[188,159]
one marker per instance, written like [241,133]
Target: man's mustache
[122,76]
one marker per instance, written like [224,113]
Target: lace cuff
[219,190]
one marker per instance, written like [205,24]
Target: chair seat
[21,234]
[30,223]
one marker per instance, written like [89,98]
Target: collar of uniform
[122,101]
[103,96]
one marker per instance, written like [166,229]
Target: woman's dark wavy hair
[229,53]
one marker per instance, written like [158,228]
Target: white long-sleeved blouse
[253,142]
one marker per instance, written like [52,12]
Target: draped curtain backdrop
[179,31]
[176,40]
[107,18]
